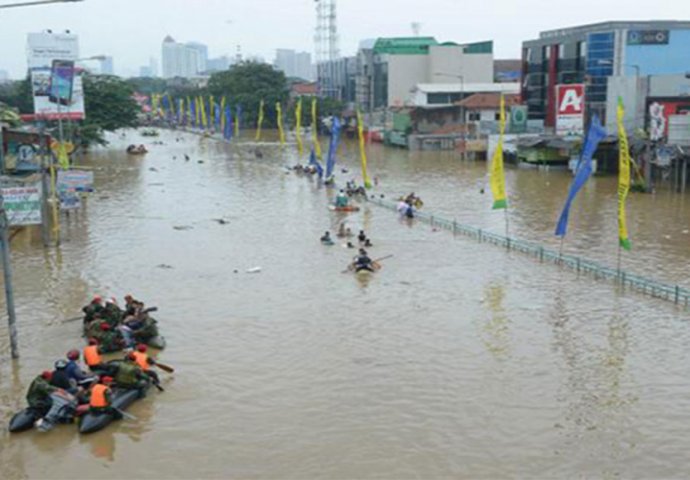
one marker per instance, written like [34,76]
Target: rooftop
[614,25]
[404,45]
[488,101]
[468,87]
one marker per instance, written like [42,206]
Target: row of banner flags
[219,116]
[583,171]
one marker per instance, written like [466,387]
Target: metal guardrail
[647,286]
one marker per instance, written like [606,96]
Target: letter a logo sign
[571,102]
[570,109]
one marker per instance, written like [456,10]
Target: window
[497,116]
[473,116]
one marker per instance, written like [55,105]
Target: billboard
[570,109]
[41,86]
[648,37]
[659,110]
[23,204]
[43,48]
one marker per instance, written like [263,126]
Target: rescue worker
[74,371]
[108,338]
[38,395]
[130,376]
[93,359]
[61,379]
[101,398]
[111,312]
[92,308]
[341,199]
[145,362]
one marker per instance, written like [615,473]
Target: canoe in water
[122,398]
[349,208]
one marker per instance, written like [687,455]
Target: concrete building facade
[592,54]
[294,64]
[183,59]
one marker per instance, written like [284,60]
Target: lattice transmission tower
[326,46]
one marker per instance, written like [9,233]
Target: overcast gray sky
[132,30]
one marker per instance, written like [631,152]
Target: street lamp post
[37,2]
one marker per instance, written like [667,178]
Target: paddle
[73,319]
[124,414]
[158,386]
[164,367]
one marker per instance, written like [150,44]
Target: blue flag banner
[335,139]
[217,116]
[227,134]
[595,135]
[313,161]
[238,116]
[192,120]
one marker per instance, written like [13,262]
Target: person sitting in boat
[60,379]
[410,199]
[145,362]
[101,397]
[363,262]
[111,312]
[129,375]
[132,322]
[38,395]
[362,236]
[131,148]
[409,211]
[93,308]
[108,338]
[326,239]
[341,199]
[74,371]
[367,243]
[93,359]
[350,245]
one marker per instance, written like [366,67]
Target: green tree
[17,94]
[109,106]
[247,84]
[148,85]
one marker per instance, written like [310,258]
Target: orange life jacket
[98,399]
[142,360]
[91,355]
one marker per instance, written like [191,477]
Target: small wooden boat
[349,208]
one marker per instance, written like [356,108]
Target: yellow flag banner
[623,177]
[260,121]
[363,150]
[497,178]
[298,127]
[63,156]
[315,130]
[279,115]
[222,115]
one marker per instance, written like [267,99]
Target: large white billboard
[42,48]
[570,111]
[43,107]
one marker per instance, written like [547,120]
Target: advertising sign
[69,201]
[659,112]
[61,82]
[41,85]
[648,37]
[23,204]
[43,48]
[74,181]
[518,119]
[570,110]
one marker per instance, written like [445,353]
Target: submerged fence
[647,286]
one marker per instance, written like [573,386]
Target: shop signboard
[570,109]
[23,204]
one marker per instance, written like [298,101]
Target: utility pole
[7,267]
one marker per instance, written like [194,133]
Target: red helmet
[73,354]
[47,375]
[141,348]
[93,341]
[106,380]
[132,357]
[105,326]
[96,299]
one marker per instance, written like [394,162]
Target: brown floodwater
[457,360]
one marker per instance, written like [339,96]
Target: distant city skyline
[262,26]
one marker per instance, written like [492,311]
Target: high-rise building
[294,64]
[202,57]
[153,66]
[183,60]
[145,71]
[218,64]
[107,66]
[4,76]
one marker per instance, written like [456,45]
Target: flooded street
[457,360]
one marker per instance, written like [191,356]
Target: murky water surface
[456,360]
